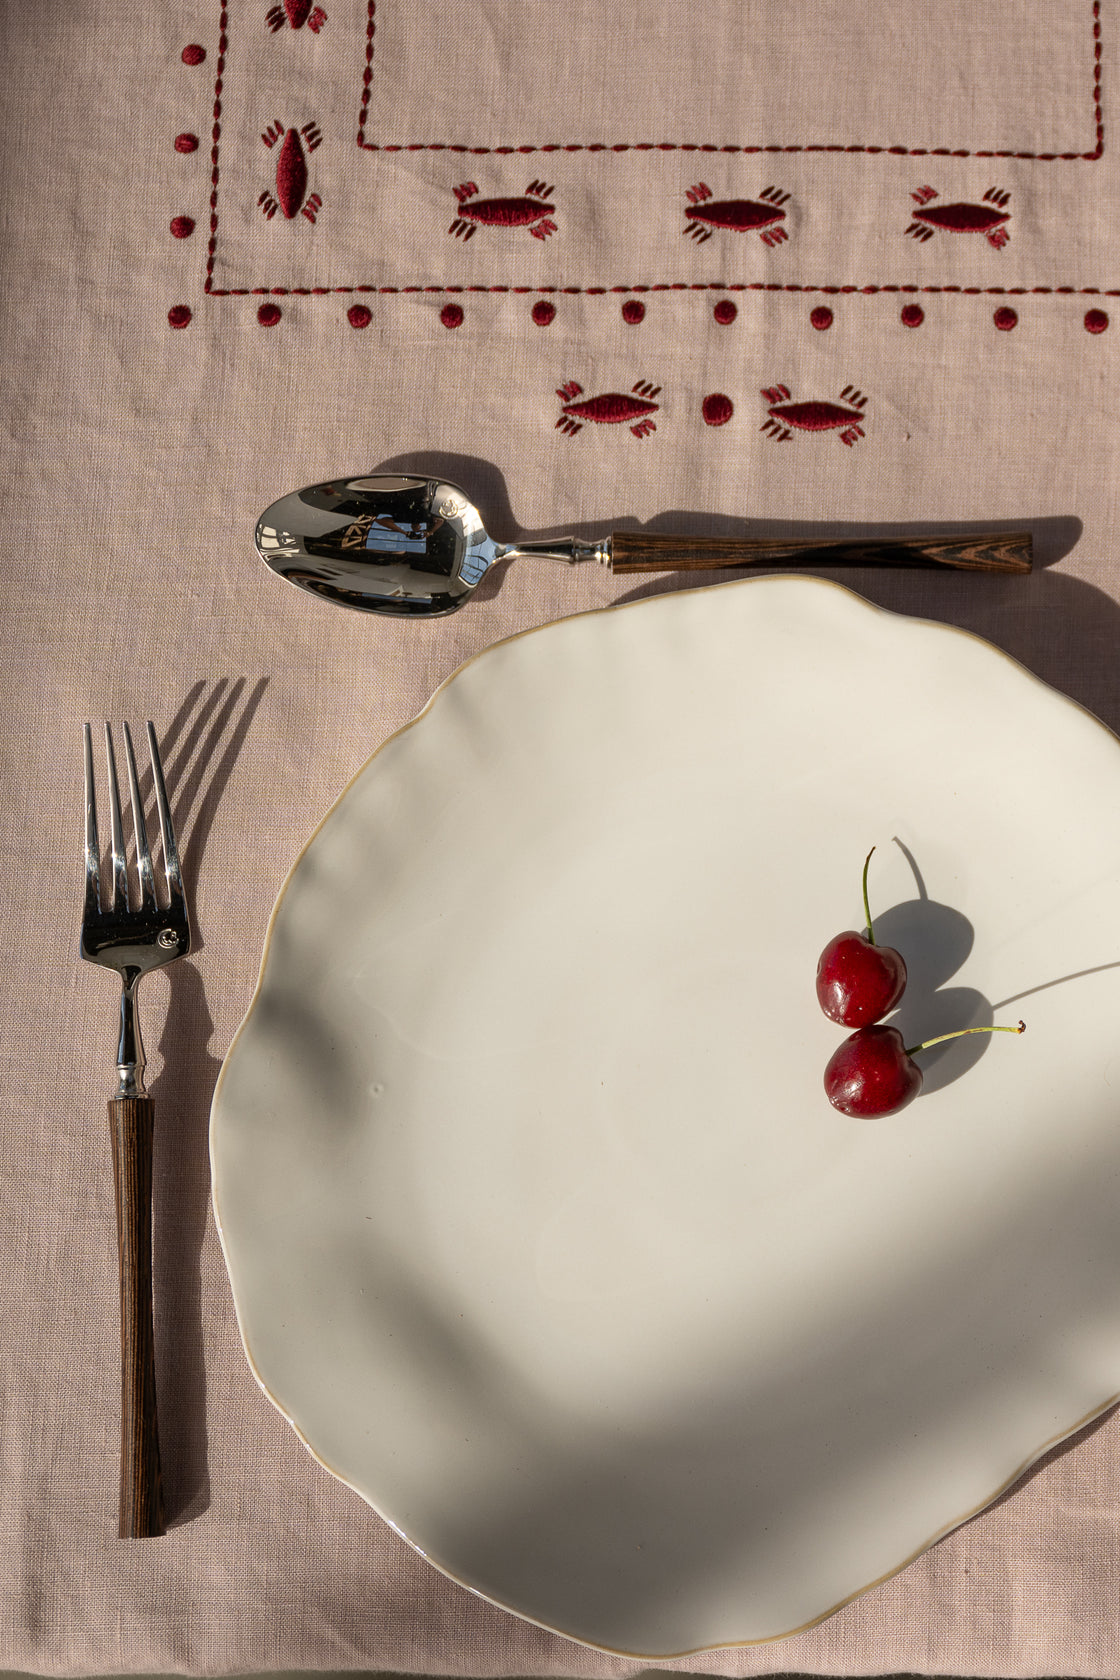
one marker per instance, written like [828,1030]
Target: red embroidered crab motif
[741,215]
[291,173]
[988,217]
[297,13]
[534,210]
[784,417]
[612,408]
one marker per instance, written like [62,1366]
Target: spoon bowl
[408,546]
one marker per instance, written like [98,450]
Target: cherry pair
[858,982]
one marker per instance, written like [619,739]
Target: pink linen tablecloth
[591,262]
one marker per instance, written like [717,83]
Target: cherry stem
[962,1033]
[866,905]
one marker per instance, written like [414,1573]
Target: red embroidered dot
[821,318]
[1096,321]
[633,312]
[912,315]
[1005,319]
[544,313]
[717,409]
[194,54]
[182,227]
[451,315]
[186,142]
[725,312]
[268,314]
[179,316]
[359,316]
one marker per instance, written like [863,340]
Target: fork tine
[120,867]
[93,853]
[172,867]
[143,855]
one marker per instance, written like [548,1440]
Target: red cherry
[858,982]
[873,1072]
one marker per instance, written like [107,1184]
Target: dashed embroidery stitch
[872,148]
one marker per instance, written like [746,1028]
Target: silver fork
[132,941]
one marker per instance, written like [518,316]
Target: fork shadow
[199,748]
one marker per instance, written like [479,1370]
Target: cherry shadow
[935,940]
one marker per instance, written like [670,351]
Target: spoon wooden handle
[981,551]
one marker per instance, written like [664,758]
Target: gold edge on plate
[693,1650]
[505,641]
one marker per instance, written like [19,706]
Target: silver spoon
[415,547]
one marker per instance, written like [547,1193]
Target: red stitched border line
[659,286]
[215,137]
[666,286]
[742,151]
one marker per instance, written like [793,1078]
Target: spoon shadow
[484,483]
[1059,627]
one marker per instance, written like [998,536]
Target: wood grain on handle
[988,551]
[141,1498]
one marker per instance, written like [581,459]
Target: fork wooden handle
[990,551]
[141,1500]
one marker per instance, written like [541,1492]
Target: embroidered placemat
[614,194]
[845,265]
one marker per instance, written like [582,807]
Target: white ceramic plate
[542,1233]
